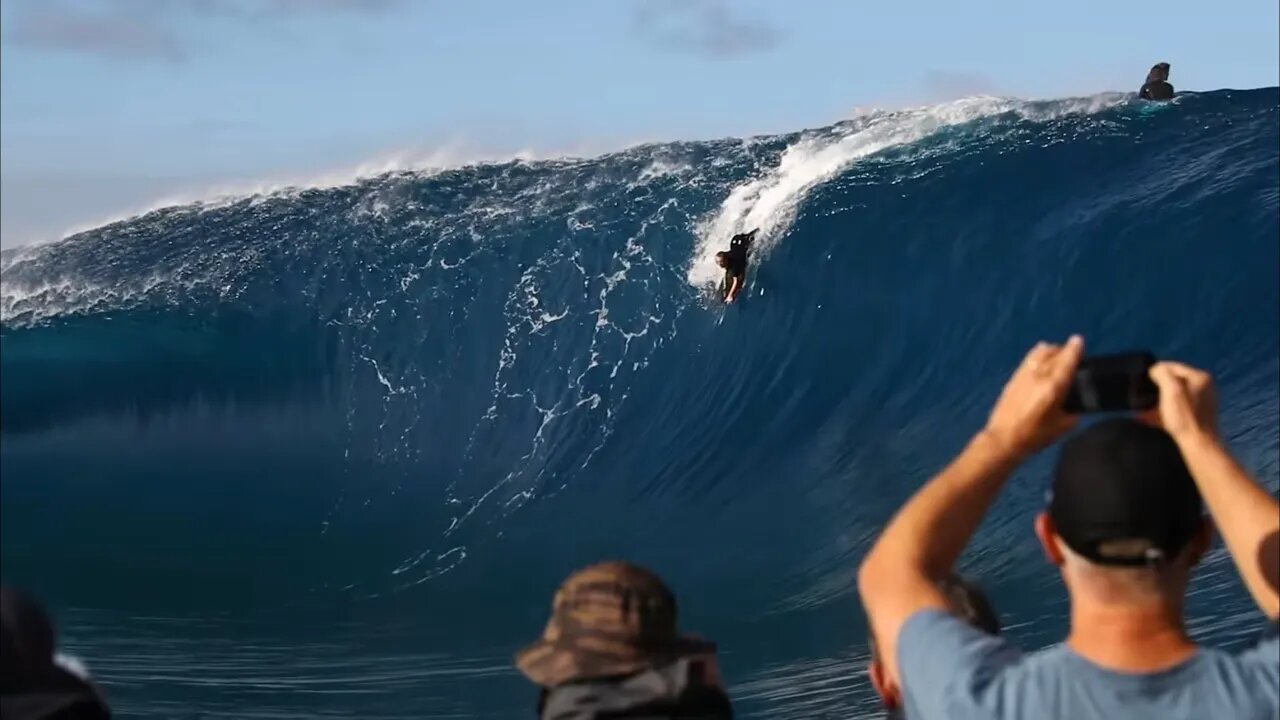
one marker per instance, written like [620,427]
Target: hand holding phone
[1113,383]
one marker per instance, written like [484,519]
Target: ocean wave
[414,401]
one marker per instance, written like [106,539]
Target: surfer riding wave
[734,262]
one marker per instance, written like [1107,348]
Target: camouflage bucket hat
[608,620]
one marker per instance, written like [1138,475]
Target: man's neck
[1133,638]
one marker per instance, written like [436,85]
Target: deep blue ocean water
[327,452]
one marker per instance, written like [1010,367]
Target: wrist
[999,444]
[1197,441]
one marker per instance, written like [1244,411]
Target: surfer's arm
[734,288]
[899,576]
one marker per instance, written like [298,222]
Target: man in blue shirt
[1124,526]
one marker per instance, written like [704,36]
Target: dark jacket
[675,691]
[58,695]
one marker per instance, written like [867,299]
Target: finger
[1061,368]
[1171,372]
[1167,380]
[1198,380]
[1038,358]
[1192,375]
[1161,374]
[1068,358]
[1038,353]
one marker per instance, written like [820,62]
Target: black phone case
[1113,383]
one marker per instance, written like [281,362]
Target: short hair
[969,603]
[1124,581]
[966,601]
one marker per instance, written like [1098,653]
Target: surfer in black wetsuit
[1157,86]
[734,262]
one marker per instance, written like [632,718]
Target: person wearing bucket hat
[1124,526]
[612,649]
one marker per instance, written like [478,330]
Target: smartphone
[1113,383]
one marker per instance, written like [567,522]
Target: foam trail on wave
[770,202]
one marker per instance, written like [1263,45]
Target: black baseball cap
[1122,494]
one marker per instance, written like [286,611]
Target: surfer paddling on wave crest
[734,262]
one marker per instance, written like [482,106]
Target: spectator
[1124,525]
[611,650]
[966,601]
[34,685]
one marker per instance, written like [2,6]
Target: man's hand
[1028,415]
[1188,403]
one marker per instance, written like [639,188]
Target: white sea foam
[769,202]
[218,195]
[424,162]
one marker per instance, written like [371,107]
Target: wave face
[329,451]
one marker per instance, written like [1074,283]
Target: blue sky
[109,105]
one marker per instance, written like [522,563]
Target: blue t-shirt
[953,671]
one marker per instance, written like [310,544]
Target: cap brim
[551,664]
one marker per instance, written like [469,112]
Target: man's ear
[1048,536]
[883,686]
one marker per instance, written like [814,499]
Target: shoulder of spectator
[933,635]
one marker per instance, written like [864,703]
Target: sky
[110,106]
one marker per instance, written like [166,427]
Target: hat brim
[550,664]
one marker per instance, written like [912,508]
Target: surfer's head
[1159,73]
[722,259]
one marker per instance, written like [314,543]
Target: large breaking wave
[328,450]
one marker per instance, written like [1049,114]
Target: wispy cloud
[148,29]
[950,85]
[709,28]
[116,35]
